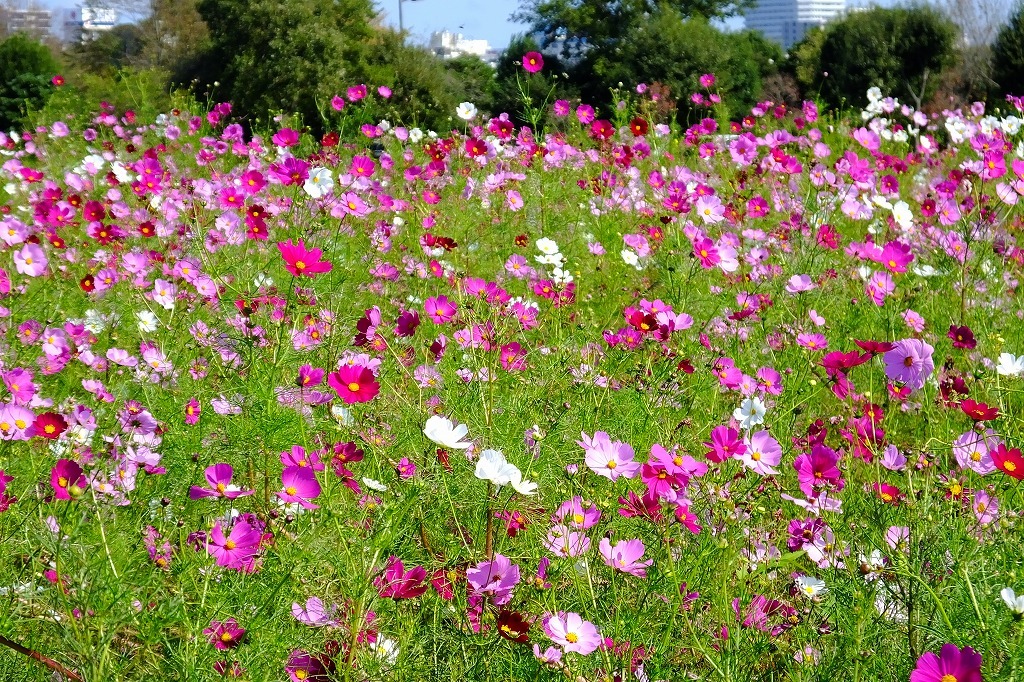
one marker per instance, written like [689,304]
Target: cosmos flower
[625,556]
[909,362]
[301,261]
[445,433]
[354,384]
[218,477]
[951,663]
[572,633]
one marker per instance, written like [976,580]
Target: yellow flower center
[221,487]
[948,678]
[1010,466]
[225,637]
[354,387]
[299,265]
[230,544]
[756,456]
[612,464]
[578,518]
[572,638]
[290,490]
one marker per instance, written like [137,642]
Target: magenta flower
[608,458]
[67,480]
[817,469]
[495,579]
[439,309]
[572,633]
[533,62]
[564,542]
[298,457]
[301,261]
[300,486]
[951,664]
[909,362]
[236,550]
[354,384]
[192,411]
[397,583]
[303,666]
[225,635]
[218,476]
[725,443]
[625,556]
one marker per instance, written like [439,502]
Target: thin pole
[401,26]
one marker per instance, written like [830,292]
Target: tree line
[271,57]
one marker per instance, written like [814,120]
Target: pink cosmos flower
[608,458]
[762,454]
[496,579]
[30,260]
[725,443]
[625,556]
[236,550]
[439,309]
[572,633]
[574,514]
[300,486]
[354,384]
[218,476]
[951,663]
[67,480]
[909,362]
[301,261]
[397,583]
[533,62]
[303,666]
[225,635]
[564,542]
[817,469]
[315,614]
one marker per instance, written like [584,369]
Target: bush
[1008,55]
[25,83]
[903,51]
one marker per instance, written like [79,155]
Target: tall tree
[290,55]
[25,83]
[901,50]
[1008,55]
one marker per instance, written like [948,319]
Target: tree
[110,50]
[25,82]
[272,55]
[1008,55]
[668,49]
[591,31]
[901,50]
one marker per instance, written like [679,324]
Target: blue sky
[476,19]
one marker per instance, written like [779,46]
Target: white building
[31,19]
[450,45]
[786,21]
[87,22]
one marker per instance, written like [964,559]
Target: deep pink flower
[533,62]
[237,549]
[495,579]
[952,664]
[301,261]
[439,309]
[218,476]
[225,635]
[300,486]
[67,480]
[397,583]
[354,384]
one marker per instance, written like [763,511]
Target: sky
[475,19]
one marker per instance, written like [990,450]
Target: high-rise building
[30,19]
[786,21]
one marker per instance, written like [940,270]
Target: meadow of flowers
[618,401]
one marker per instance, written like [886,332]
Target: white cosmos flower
[373,484]
[385,648]
[1010,365]
[148,322]
[1014,602]
[415,135]
[750,413]
[443,431]
[810,586]
[547,246]
[466,111]
[524,487]
[492,466]
[319,182]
